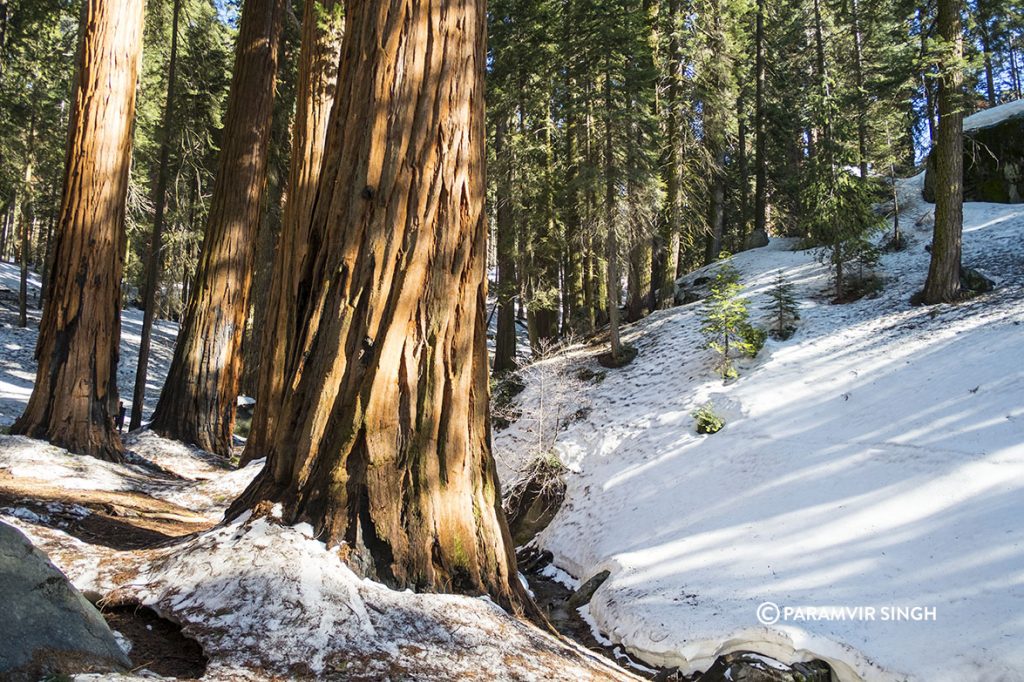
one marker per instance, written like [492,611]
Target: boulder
[586,591]
[993,156]
[746,666]
[755,240]
[974,281]
[48,628]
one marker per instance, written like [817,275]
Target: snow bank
[994,116]
[155,466]
[263,599]
[875,459]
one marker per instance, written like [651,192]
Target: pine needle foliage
[726,322]
[782,308]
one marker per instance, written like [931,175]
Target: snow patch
[874,459]
[266,598]
[994,116]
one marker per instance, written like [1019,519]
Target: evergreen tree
[385,443]
[197,404]
[943,283]
[726,321]
[783,308]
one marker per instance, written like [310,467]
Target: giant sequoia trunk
[943,283]
[198,401]
[74,399]
[383,440]
[322,29]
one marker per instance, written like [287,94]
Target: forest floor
[249,600]
[252,600]
[875,459]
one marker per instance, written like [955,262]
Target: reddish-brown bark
[322,30]
[383,441]
[198,400]
[74,400]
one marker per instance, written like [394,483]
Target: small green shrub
[754,338]
[707,420]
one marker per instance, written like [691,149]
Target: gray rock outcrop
[47,627]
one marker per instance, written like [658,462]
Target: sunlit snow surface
[990,117]
[875,459]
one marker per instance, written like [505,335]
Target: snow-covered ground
[17,349]
[876,459]
[267,601]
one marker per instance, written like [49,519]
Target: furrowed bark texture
[322,30]
[384,440]
[74,400]
[198,401]
[943,283]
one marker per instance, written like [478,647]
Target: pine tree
[725,321]
[153,255]
[943,283]
[783,308]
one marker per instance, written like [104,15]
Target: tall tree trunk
[505,342]
[926,80]
[575,316]
[638,281]
[198,401]
[5,221]
[26,222]
[543,306]
[153,257]
[291,286]
[760,139]
[384,441]
[858,71]
[986,47]
[1015,73]
[613,280]
[742,163]
[74,400]
[664,261]
[716,209]
[943,283]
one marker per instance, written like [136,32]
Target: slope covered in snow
[17,349]
[876,459]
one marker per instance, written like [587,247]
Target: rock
[973,281]
[533,501]
[746,666]
[993,157]
[756,240]
[685,296]
[48,628]
[586,591]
